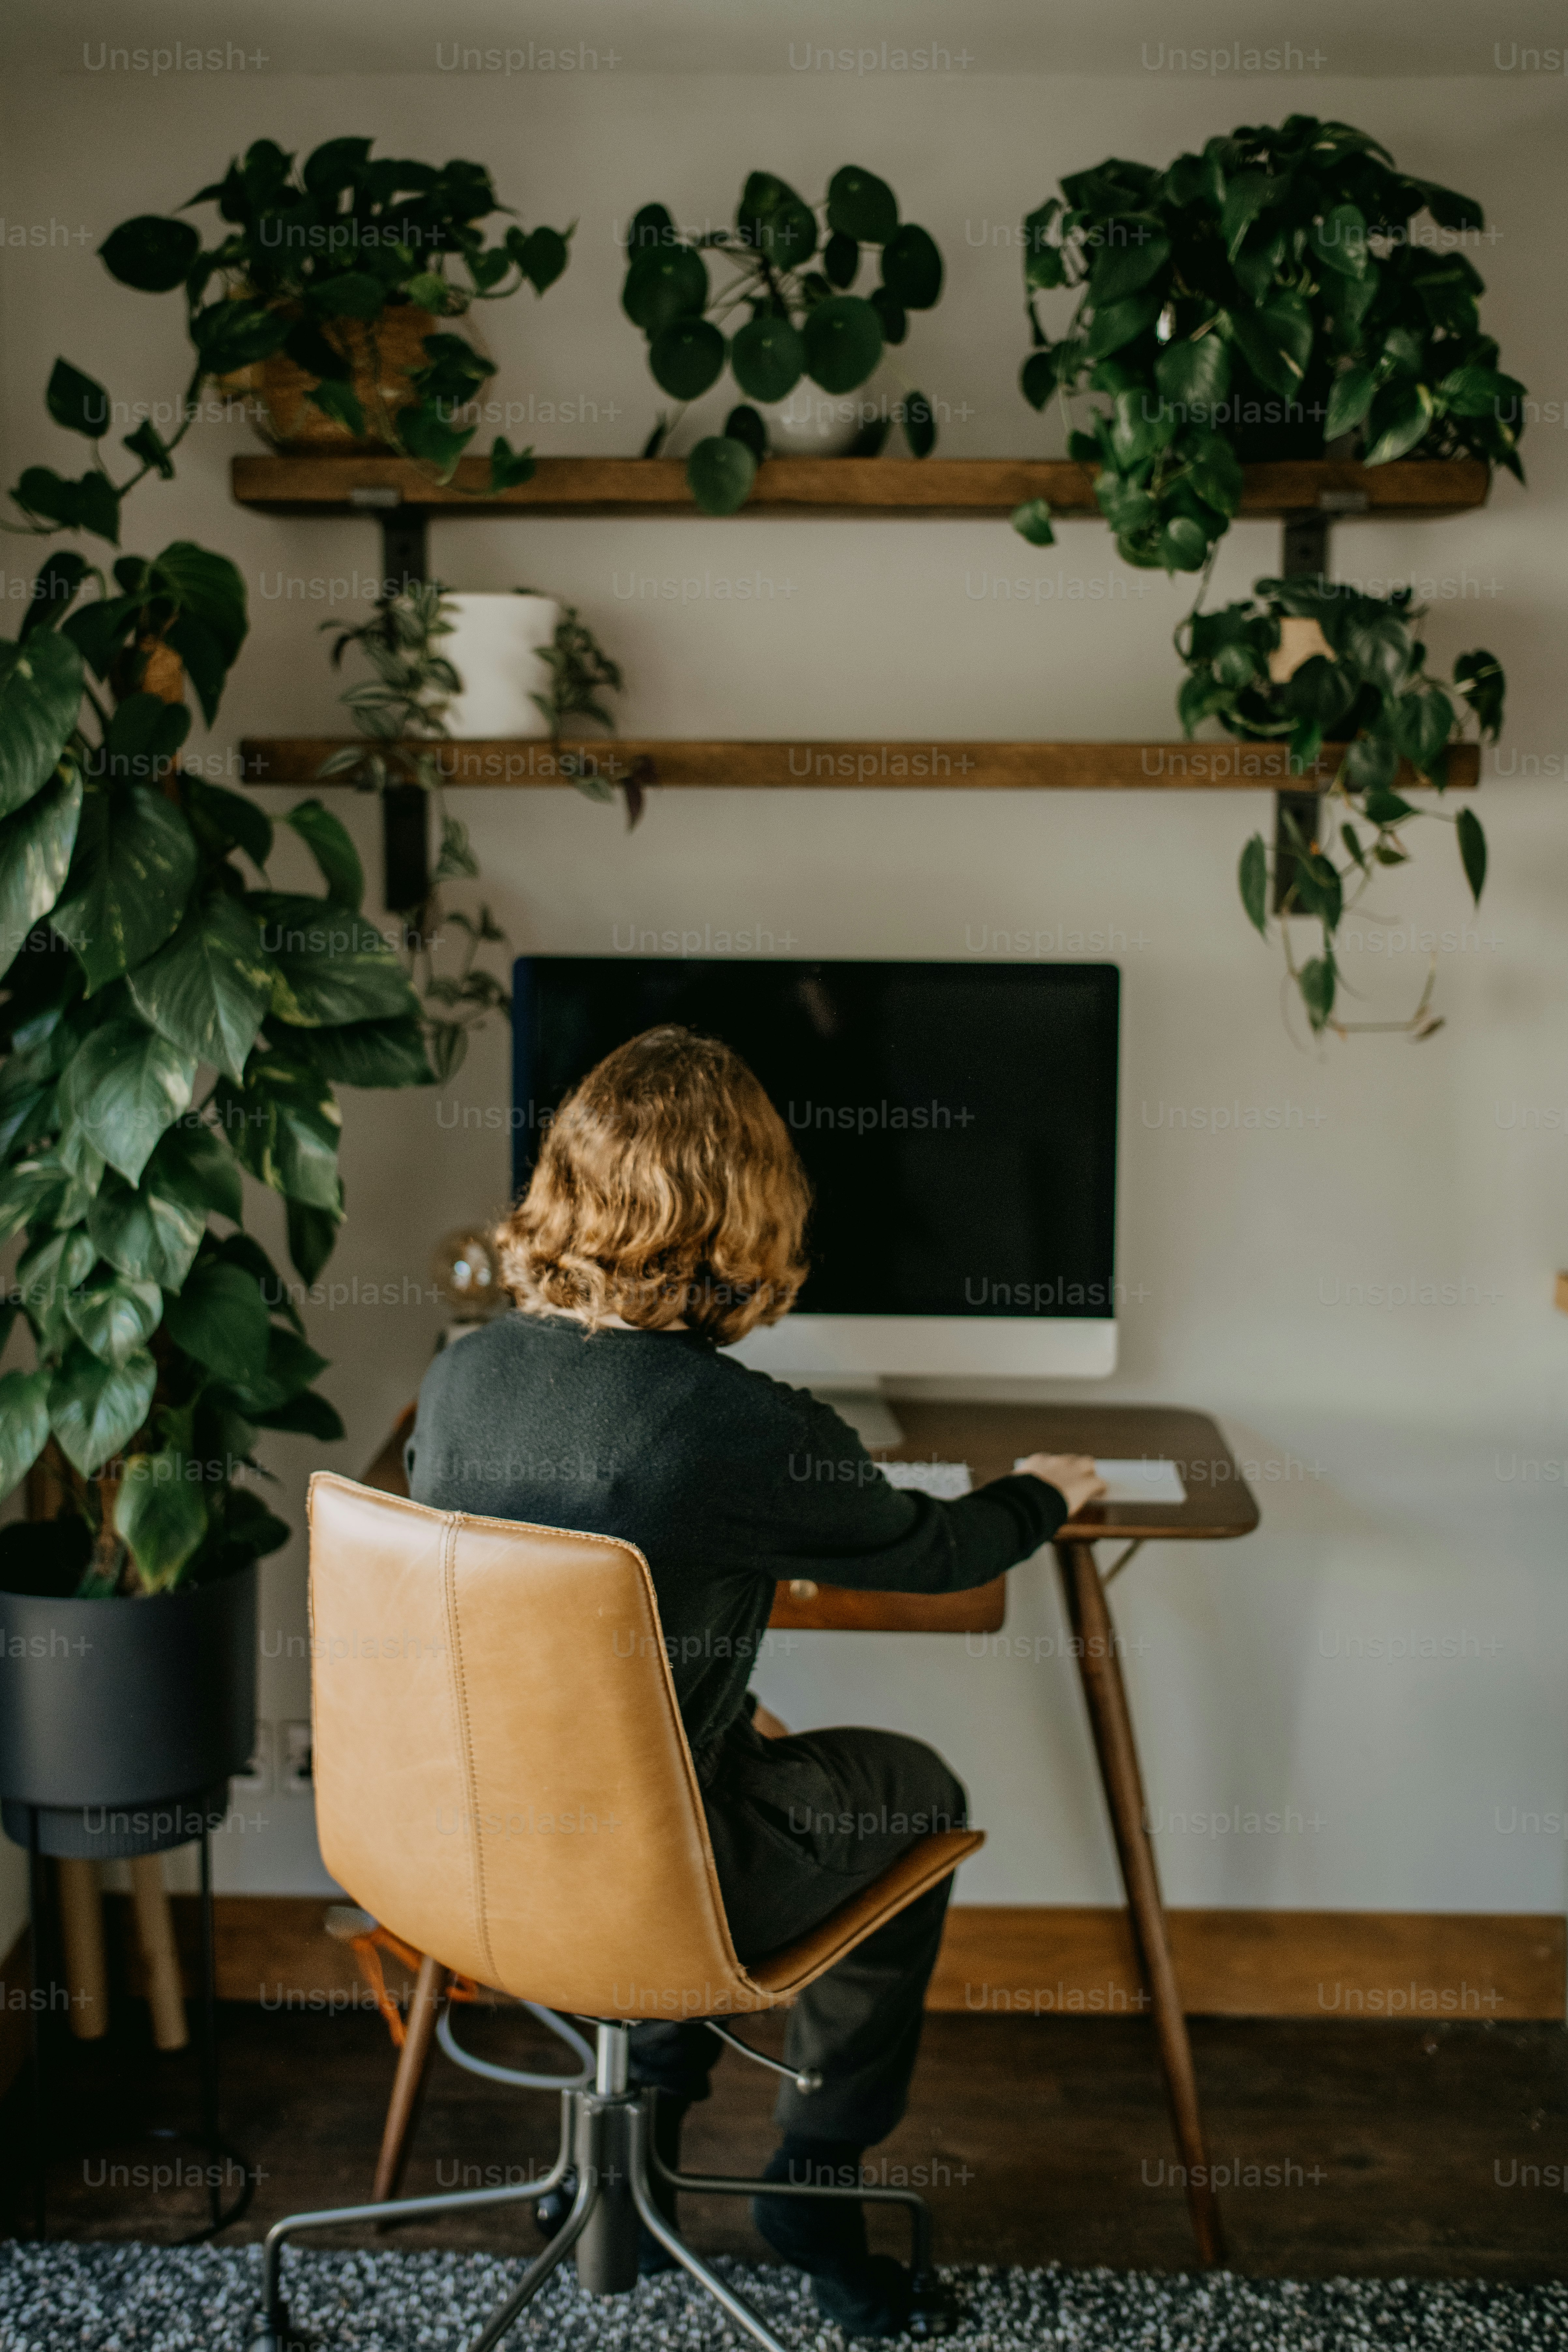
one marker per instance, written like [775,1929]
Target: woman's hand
[1073,1475]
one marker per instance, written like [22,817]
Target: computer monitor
[957,1122]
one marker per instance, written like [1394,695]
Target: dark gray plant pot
[122,1720]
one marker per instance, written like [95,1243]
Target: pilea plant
[315,264]
[801,320]
[169,1022]
[1257,300]
[1305,663]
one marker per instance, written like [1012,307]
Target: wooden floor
[1393,2147]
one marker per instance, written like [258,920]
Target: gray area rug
[71,2297]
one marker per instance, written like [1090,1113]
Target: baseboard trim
[1051,1959]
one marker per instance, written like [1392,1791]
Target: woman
[665,1221]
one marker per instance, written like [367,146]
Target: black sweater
[725,1479]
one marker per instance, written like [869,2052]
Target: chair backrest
[501,1775]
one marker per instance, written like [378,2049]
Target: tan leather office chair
[502,1779]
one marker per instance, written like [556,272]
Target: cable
[557,2025]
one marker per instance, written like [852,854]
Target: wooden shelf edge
[931,488]
[840,766]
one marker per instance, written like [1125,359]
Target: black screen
[957,1121]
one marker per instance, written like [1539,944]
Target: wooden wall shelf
[898,767]
[931,488]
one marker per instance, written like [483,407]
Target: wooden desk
[1219,1504]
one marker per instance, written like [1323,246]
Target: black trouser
[798,1826]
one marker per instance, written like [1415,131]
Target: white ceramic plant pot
[494,649]
[811,423]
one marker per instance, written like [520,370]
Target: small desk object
[1218,1505]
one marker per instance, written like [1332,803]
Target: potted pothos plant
[172,1022]
[1306,663]
[1261,299]
[401,712]
[784,310]
[340,290]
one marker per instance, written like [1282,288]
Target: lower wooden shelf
[864,766]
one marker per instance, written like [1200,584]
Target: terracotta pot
[383,353]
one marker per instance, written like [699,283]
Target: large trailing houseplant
[1305,663]
[170,1023]
[790,270]
[319,266]
[1259,300]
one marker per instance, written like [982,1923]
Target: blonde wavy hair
[667,1191]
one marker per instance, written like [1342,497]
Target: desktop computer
[957,1122]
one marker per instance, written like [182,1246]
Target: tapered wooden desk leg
[1112,1726]
[408,2085]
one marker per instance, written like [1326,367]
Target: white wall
[1393,1443]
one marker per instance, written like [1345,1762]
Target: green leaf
[1032,521]
[1037,376]
[327,839]
[57,582]
[687,358]
[207,989]
[775,223]
[843,339]
[341,402]
[542,256]
[114,1317]
[149,1236]
[356,294]
[744,426]
[1472,852]
[290,1367]
[720,473]
[920,425]
[23,1424]
[195,1169]
[1350,397]
[160,1511]
[35,847]
[1401,414]
[1183,544]
[1245,198]
[664,284]
[767,358]
[150,254]
[130,876]
[40,697]
[308,1415]
[1478,678]
[1317,983]
[1213,472]
[911,268]
[95,1407]
[46,1274]
[121,1088]
[1422,721]
[367,1053]
[1119,323]
[891,317]
[1253,877]
[841,261]
[1276,342]
[223,820]
[90,503]
[1479,392]
[1382,805]
[220,1318]
[76,401]
[332,964]
[284,1125]
[423,432]
[510,467]
[1123,268]
[208,587]
[312,1237]
[861,207]
[244,1250]
[1339,240]
[1195,377]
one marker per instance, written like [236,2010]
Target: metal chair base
[607,2139]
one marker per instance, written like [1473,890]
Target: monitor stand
[864,1406]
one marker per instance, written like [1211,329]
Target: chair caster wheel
[551,2210]
[933,2312]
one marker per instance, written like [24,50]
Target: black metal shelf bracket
[404,809]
